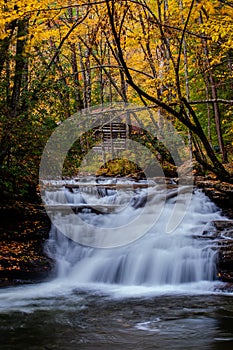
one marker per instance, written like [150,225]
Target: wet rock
[224,234]
[224,227]
[222,194]
[219,192]
[25,272]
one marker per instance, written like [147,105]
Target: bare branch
[228,3]
[88,3]
[100,66]
[220,100]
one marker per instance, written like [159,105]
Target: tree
[33,100]
[172,37]
[57,58]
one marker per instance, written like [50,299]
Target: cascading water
[156,259]
[146,243]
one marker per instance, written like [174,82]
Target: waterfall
[156,258]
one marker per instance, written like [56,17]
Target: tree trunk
[77,85]
[15,98]
[214,94]
[5,43]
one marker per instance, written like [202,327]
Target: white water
[156,259]
[158,263]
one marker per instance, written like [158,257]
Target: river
[150,290]
[95,320]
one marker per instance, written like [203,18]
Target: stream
[148,288]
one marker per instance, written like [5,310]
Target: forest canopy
[60,57]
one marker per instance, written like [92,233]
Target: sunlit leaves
[71,61]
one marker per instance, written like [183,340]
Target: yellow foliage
[150,37]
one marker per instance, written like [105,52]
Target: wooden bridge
[113,137]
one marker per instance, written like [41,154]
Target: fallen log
[98,208]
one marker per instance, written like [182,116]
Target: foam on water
[156,259]
[156,264]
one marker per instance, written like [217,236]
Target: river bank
[25,226]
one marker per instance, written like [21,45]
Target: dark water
[94,321]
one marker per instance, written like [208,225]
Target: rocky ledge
[219,192]
[222,194]
[224,236]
